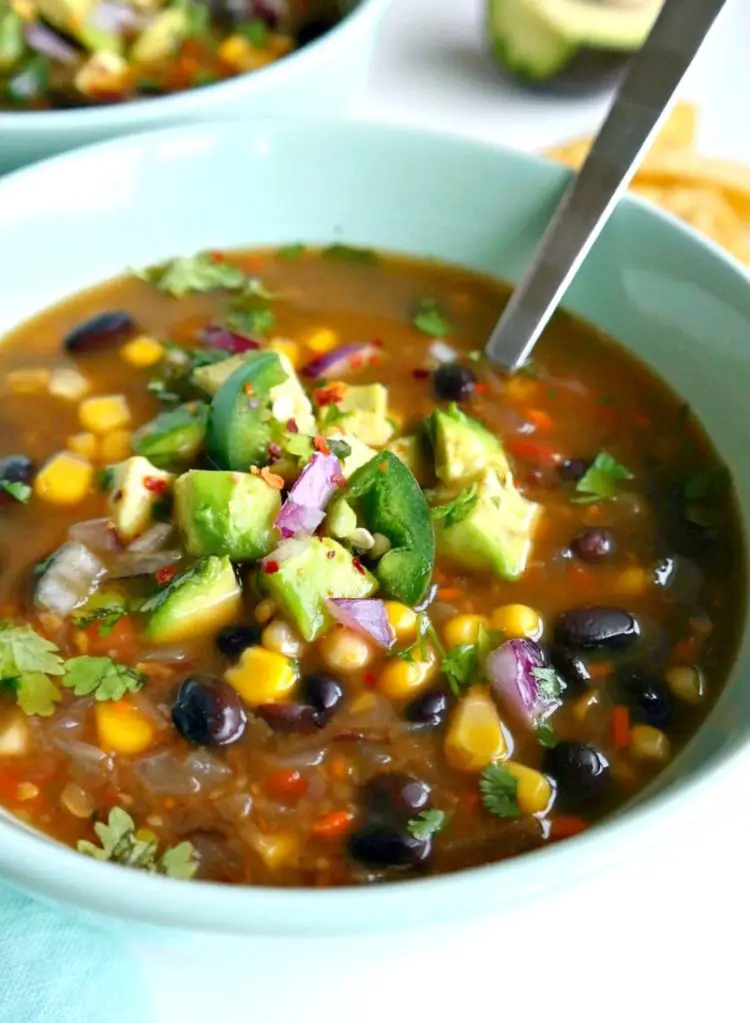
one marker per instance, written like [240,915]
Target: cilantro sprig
[499,790]
[105,618]
[461,666]
[601,480]
[102,677]
[120,844]
[429,320]
[549,684]
[26,661]
[194,274]
[459,508]
[426,824]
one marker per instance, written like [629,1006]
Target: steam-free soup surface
[488,614]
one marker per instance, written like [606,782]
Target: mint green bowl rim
[51,870]
[139,112]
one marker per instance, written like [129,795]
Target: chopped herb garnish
[20,491]
[459,508]
[426,824]
[339,448]
[461,666]
[26,659]
[600,481]
[119,844]
[291,252]
[256,31]
[250,319]
[430,320]
[104,617]
[351,254]
[35,693]
[193,274]
[102,676]
[549,684]
[333,416]
[499,788]
[546,736]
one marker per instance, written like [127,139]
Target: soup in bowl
[301,593]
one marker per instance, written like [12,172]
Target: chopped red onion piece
[228,340]
[365,615]
[99,535]
[48,43]
[341,360]
[510,669]
[114,17]
[73,575]
[304,508]
[133,563]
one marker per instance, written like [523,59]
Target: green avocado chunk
[201,600]
[210,377]
[303,583]
[536,39]
[489,527]
[387,498]
[173,439]
[464,448]
[137,487]
[228,513]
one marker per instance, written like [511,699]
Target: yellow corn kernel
[105,413]
[534,791]
[517,621]
[146,835]
[686,682]
[322,340]
[262,676]
[265,611]
[142,351]
[28,381]
[279,637]
[475,735]
[83,444]
[401,679]
[632,581]
[649,743]
[345,650]
[68,383]
[463,629]
[402,620]
[122,728]
[277,850]
[64,479]
[116,446]
[289,348]
[241,55]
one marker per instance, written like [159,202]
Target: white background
[662,938]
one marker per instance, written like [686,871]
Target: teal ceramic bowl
[656,286]
[324,77]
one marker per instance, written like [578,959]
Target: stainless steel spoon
[642,103]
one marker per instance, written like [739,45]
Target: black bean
[454,382]
[104,330]
[593,545]
[594,628]
[379,844]
[574,469]
[290,717]
[208,712]
[428,709]
[232,640]
[572,668]
[647,697]
[395,794]
[580,772]
[323,692]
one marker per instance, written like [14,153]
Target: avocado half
[567,41]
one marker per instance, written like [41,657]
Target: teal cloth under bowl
[664,292]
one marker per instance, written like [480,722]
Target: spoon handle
[642,103]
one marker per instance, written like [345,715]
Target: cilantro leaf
[105,617]
[549,684]
[546,736]
[430,320]
[194,274]
[298,446]
[250,319]
[119,844]
[459,508]
[102,676]
[461,666]
[600,481]
[23,650]
[36,693]
[351,254]
[20,491]
[499,788]
[291,252]
[426,824]
[339,448]
[179,862]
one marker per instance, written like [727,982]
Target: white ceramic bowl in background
[323,77]
[658,287]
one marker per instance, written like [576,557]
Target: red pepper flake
[248,389]
[481,388]
[420,374]
[254,263]
[383,467]
[331,554]
[272,479]
[319,443]
[330,395]
[155,485]
[369,679]
[291,425]
[374,360]
[269,567]
[358,566]
[378,342]
[218,257]
[274,450]
[356,362]
[166,575]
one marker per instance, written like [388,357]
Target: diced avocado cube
[228,513]
[12,43]
[464,448]
[199,601]
[488,528]
[366,410]
[303,583]
[359,455]
[289,400]
[413,450]
[210,378]
[388,500]
[137,487]
[161,37]
[341,520]
[174,438]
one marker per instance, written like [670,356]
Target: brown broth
[586,395]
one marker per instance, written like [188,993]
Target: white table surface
[649,942]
